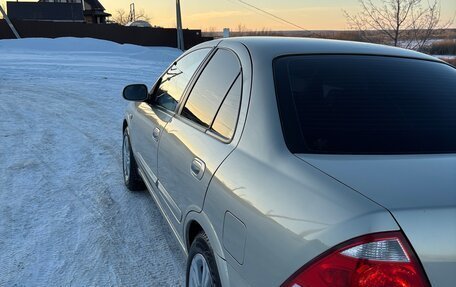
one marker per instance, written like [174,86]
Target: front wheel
[201,266]
[131,176]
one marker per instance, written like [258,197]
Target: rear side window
[346,104]
[211,88]
[176,79]
[226,119]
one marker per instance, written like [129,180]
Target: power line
[275,16]
[272,15]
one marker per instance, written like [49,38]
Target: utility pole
[9,23]
[132,12]
[180,33]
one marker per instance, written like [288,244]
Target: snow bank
[445,56]
[66,218]
[87,45]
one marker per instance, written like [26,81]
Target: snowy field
[445,57]
[66,218]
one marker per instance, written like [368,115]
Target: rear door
[149,118]
[197,140]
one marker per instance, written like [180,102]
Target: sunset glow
[216,15]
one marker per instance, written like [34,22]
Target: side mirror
[136,93]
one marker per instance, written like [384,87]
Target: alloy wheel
[200,275]
[126,158]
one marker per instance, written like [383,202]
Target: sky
[219,14]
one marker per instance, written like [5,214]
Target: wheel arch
[124,125]
[196,222]
[193,229]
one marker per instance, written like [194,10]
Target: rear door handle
[156,134]
[197,168]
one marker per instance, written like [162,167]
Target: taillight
[377,260]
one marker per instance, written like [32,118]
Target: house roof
[44,11]
[96,13]
[95,4]
[96,8]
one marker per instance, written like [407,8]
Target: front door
[146,124]
[150,118]
[197,140]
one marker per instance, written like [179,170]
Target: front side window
[211,88]
[347,104]
[176,79]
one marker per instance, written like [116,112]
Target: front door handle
[197,168]
[156,134]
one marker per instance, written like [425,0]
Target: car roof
[273,47]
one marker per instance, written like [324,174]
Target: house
[37,11]
[94,12]
[88,11]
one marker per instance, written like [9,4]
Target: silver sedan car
[301,162]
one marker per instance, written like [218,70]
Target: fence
[112,32]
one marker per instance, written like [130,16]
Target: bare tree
[210,29]
[406,23]
[122,17]
[242,30]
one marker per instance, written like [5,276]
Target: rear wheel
[131,176]
[201,266]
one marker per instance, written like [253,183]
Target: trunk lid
[420,192]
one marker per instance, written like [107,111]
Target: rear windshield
[347,104]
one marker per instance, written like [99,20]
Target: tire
[132,179]
[201,252]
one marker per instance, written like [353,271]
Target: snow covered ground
[445,56]
[65,215]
